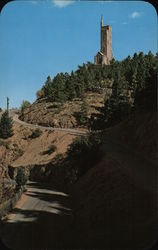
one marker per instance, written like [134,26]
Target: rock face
[3,168]
[47,113]
[3,163]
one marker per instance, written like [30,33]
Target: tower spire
[101,20]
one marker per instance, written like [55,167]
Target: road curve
[68,130]
[41,220]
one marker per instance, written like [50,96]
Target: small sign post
[8,105]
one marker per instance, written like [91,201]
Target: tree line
[136,75]
[132,81]
[130,73]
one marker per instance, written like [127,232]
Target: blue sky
[41,38]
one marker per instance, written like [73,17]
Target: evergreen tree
[83,118]
[59,92]
[21,177]
[47,88]
[70,86]
[130,74]
[25,104]
[6,126]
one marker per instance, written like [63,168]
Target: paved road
[70,131]
[41,220]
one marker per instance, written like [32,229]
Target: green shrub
[25,104]
[50,150]
[83,153]
[36,133]
[21,177]
[6,126]
[21,152]
[82,116]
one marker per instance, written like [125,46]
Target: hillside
[110,173]
[3,168]
[139,132]
[114,202]
[112,210]
[47,113]
[110,92]
[6,187]
[24,150]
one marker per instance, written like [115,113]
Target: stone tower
[104,56]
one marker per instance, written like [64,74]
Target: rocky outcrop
[3,163]
[3,168]
[47,113]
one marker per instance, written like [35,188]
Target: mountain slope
[47,113]
[115,202]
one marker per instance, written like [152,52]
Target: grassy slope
[25,151]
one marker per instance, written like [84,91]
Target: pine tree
[6,126]
[21,177]
[84,113]
[25,104]
[47,88]
[70,86]
[59,88]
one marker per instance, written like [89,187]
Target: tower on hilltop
[104,56]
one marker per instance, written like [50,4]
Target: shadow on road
[44,221]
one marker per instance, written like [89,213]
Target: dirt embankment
[3,161]
[110,210]
[23,150]
[6,188]
[36,153]
[113,207]
[139,132]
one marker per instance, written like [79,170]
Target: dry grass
[33,149]
[62,115]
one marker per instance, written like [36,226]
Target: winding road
[40,220]
[43,218]
[68,130]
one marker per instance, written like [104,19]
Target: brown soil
[25,151]
[46,113]
[111,211]
[140,132]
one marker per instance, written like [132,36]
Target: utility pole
[8,105]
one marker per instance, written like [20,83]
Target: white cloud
[62,3]
[135,14]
